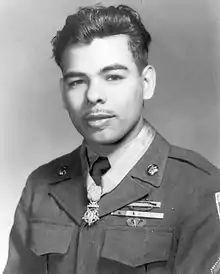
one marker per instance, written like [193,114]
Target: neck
[105,150]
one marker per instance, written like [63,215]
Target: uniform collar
[141,180]
[151,166]
[67,185]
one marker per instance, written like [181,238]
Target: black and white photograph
[110,114]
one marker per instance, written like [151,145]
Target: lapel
[138,183]
[67,186]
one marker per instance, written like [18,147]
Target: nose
[95,93]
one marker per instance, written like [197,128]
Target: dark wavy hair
[98,21]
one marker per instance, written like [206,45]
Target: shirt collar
[88,156]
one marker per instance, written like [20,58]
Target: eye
[75,83]
[114,77]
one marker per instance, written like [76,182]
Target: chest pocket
[136,246]
[48,238]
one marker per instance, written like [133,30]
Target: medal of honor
[92,213]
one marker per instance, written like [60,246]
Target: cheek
[128,100]
[73,101]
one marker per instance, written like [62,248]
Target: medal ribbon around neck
[94,191]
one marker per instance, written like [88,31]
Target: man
[125,201]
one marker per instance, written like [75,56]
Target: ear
[62,90]
[149,81]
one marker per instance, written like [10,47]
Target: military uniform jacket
[49,236]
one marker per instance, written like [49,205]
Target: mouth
[98,120]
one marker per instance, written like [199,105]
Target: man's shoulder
[192,160]
[55,169]
[190,172]
[179,160]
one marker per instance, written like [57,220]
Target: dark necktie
[99,168]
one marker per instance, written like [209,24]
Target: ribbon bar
[130,213]
[146,204]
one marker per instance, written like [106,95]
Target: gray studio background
[36,129]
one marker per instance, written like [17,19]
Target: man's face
[102,89]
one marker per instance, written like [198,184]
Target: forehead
[100,53]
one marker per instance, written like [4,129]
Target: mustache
[98,111]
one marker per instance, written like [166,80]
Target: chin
[106,139]
[103,141]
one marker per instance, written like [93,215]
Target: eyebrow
[72,74]
[113,67]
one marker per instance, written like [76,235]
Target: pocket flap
[49,238]
[135,247]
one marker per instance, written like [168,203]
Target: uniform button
[152,169]
[62,171]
